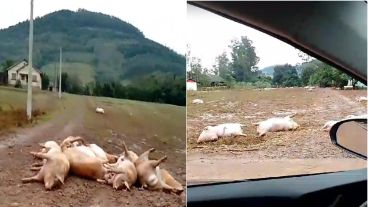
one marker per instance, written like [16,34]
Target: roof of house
[24,60]
[15,64]
[191,80]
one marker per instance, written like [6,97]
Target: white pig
[86,150]
[361,98]
[48,147]
[125,173]
[53,171]
[276,124]
[212,133]
[328,125]
[363,116]
[198,101]
[100,110]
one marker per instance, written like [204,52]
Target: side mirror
[351,135]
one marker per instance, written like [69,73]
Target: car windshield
[284,101]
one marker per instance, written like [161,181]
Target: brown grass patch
[17,118]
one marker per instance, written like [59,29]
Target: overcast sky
[208,35]
[161,20]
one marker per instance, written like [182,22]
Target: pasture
[141,125]
[83,71]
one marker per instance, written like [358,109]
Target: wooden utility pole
[61,55]
[30,49]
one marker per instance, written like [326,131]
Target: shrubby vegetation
[241,71]
[161,88]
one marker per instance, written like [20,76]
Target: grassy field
[13,108]
[84,71]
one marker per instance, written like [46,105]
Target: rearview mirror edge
[333,133]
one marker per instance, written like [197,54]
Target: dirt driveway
[307,150]
[77,117]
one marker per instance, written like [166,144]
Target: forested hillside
[97,48]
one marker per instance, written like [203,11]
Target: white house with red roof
[191,85]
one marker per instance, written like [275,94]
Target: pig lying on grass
[213,133]
[55,167]
[276,124]
[100,110]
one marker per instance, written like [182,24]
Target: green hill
[95,47]
[268,70]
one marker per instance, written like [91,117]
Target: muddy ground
[309,142]
[134,122]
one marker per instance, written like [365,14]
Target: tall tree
[222,65]
[6,64]
[244,59]
[64,82]
[196,68]
[45,81]
[285,75]
[327,76]
[307,72]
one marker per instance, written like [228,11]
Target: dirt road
[217,168]
[77,117]
[306,150]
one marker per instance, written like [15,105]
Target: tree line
[240,70]
[155,87]
[314,73]
[159,87]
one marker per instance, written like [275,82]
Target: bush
[243,85]
[45,81]
[18,84]
[262,84]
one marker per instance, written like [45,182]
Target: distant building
[19,71]
[191,85]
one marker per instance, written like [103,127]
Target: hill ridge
[111,49]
